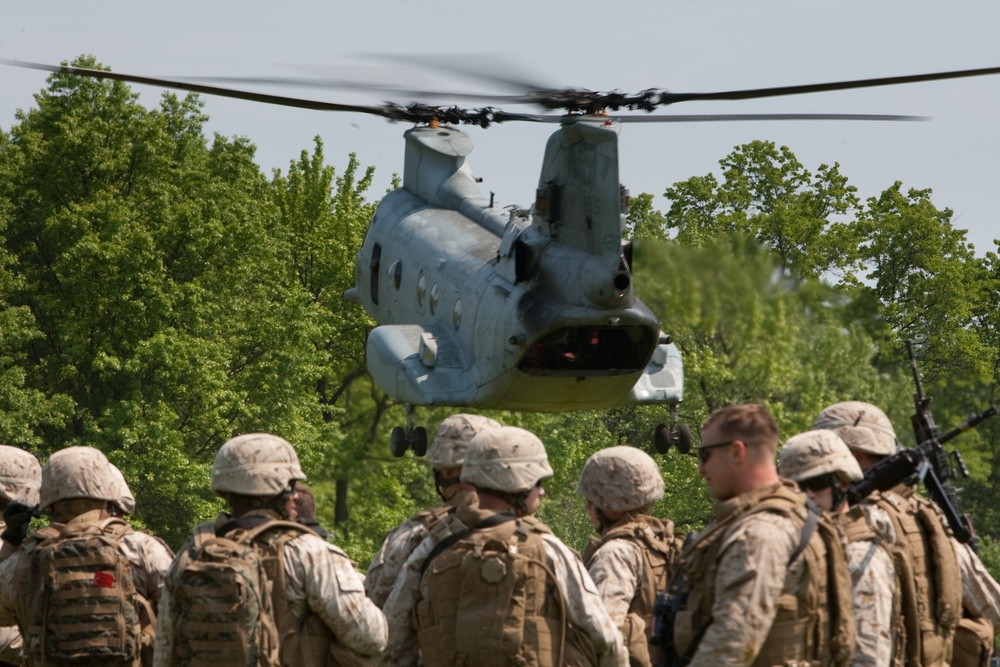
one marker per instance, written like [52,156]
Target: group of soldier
[787,574]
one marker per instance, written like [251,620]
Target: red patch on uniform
[104,580]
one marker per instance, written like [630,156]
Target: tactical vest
[932,605]
[83,608]
[813,626]
[490,600]
[858,529]
[659,547]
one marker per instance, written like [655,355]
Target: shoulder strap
[488,522]
[808,528]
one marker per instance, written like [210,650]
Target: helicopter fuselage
[507,308]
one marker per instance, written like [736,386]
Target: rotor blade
[208,90]
[755,93]
[344,84]
[494,68]
[502,116]
[703,118]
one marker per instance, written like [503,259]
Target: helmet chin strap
[441,483]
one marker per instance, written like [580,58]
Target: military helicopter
[516,308]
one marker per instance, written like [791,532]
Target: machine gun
[928,461]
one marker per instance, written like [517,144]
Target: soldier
[633,559]
[757,578]
[822,465]
[319,616]
[69,593]
[445,455]
[20,479]
[950,589]
[501,589]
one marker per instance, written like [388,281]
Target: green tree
[769,195]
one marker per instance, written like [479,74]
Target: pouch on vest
[973,643]
[83,606]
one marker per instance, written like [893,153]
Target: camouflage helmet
[506,458]
[862,426]
[816,453]
[123,495]
[620,479]
[77,472]
[453,437]
[20,476]
[255,464]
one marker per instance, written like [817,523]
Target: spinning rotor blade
[198,88]
[757,93]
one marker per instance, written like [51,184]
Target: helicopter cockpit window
[617,350]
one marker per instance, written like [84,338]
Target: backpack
[222,611]
[488,598]
[83,607]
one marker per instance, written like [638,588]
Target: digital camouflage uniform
[504,461]
[634,557]
[447,451]
[931,587]
[744,597]
[82,473]
[319,579]
[822,460]
[20,480]
[873,579]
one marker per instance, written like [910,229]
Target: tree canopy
[160,294]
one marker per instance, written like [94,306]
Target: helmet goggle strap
[441,482]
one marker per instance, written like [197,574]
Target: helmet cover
[124,498]
[20,476]
[620,479]
[452,439]
[506,458]
[255,464]
[862,426]
[77,472]
[820,452]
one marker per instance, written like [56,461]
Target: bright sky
[695,45]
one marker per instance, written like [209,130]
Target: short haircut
[751,423]
[305,501]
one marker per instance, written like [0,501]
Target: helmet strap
[441,483]
[276,503]
[516,499]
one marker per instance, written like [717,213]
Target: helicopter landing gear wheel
[419,441]
[398,442]
[678,435]
[402,439]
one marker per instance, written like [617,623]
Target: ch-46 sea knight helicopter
[510,308]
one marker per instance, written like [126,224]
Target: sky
[628,45]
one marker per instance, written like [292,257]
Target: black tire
[420,441]
[683,440]
[661,438]
[397,442]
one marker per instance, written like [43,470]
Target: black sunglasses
[705,451]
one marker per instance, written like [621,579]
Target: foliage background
[159,294]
